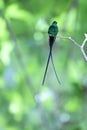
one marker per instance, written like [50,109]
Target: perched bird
[52,32]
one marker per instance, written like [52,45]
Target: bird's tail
[54,68]
[46,67]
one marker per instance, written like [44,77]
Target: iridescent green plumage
[52,31]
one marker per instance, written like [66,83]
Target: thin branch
[70,38]
[77,44]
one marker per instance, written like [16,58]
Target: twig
[77,44]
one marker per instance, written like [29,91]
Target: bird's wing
[51,29]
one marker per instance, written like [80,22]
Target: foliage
[24,103]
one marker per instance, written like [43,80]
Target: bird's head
[54,23]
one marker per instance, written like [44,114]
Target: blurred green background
[24,103]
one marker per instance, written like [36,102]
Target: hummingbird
[52,32]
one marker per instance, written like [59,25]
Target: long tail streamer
[46,67]
[50,55]
[54,69]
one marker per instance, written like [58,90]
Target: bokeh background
[24,103]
